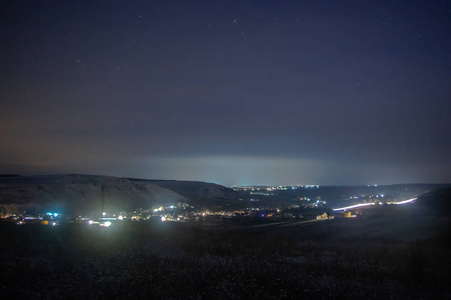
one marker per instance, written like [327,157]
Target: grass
[180,261]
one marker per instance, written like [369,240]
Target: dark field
[391,257]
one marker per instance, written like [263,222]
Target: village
[183,213]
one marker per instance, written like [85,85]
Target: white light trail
[353,206]
[405,201]
[368,204]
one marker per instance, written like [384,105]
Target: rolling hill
[84,194]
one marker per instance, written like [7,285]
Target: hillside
[80,194]
[197,192]
[439,200]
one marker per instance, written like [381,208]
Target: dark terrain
[402,254]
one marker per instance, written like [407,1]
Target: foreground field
[321,260]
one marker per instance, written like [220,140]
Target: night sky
[232,92]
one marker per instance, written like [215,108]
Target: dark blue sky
[233,92]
